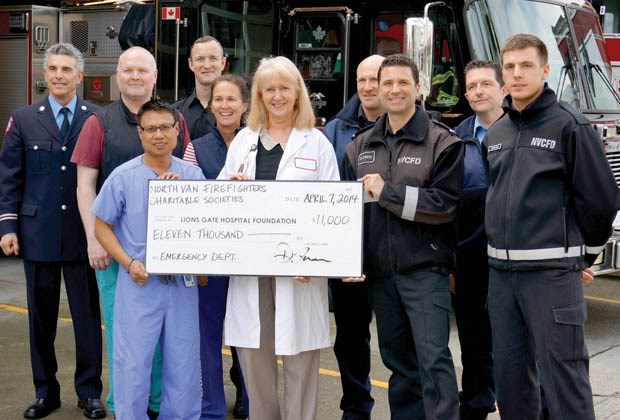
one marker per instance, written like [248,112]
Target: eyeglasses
[152,129]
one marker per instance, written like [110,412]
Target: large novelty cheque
[279,228]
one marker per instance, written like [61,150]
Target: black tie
[64,127]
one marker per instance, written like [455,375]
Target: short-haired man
[108,139]
[39,218]
[483,90]
[148,306]
[412,170]
[206,60]
[352,311]
[551,203]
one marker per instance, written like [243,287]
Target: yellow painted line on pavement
[25,311]
[598,299]
[326,372]
[13,308]
[225,351]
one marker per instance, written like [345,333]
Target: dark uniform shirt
[392,138]
[200,120]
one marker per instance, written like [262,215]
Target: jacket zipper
[565,227]
[508,194]
[387,213]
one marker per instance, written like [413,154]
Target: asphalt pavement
[16,390]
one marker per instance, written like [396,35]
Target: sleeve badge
[9,126]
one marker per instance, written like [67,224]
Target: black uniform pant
[474,329]
[413,328]
[353,314]
[538,323]
[43,293]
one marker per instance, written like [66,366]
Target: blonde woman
[267,317]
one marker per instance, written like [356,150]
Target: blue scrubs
[142,314]
[106,283]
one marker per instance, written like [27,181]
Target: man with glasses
[149,307]
[108,139]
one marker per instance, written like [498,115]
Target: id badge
[189,280]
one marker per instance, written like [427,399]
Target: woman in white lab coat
[286,316]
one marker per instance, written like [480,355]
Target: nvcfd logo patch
[544,143]
[409,160]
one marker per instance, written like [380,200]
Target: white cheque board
[285,228]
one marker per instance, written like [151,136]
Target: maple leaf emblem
[319,33]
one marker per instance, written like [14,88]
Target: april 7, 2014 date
[333,199]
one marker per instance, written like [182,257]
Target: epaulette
[361,130]
[439,123]
[577,116]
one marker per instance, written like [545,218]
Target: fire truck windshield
[579,68]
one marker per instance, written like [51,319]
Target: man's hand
[9,244]
[373,185]
[97,257]
[138,272]
[354,279]
[587,276]
[169,175]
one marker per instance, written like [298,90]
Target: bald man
[352,310]
[108,139]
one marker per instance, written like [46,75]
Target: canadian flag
[170,13]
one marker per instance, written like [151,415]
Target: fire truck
[327,39]
[612,48]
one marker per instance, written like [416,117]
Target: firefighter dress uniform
[38,202]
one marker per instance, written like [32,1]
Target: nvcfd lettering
[540,142]
[409,160]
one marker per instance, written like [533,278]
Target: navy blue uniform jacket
[38,184]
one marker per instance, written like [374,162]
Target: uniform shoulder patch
[439,123]
[577,116]
[361,131]
[9,126]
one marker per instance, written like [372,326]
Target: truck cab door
[320,49]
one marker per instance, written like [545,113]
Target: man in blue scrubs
[149,309]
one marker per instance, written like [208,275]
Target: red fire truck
[612,47]
[327,39]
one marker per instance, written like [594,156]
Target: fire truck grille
[79,35]
[614,161]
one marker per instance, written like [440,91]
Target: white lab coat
[302,314]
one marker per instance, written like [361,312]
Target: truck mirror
[418,44]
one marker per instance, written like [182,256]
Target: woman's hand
[238,176]
[202,280]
